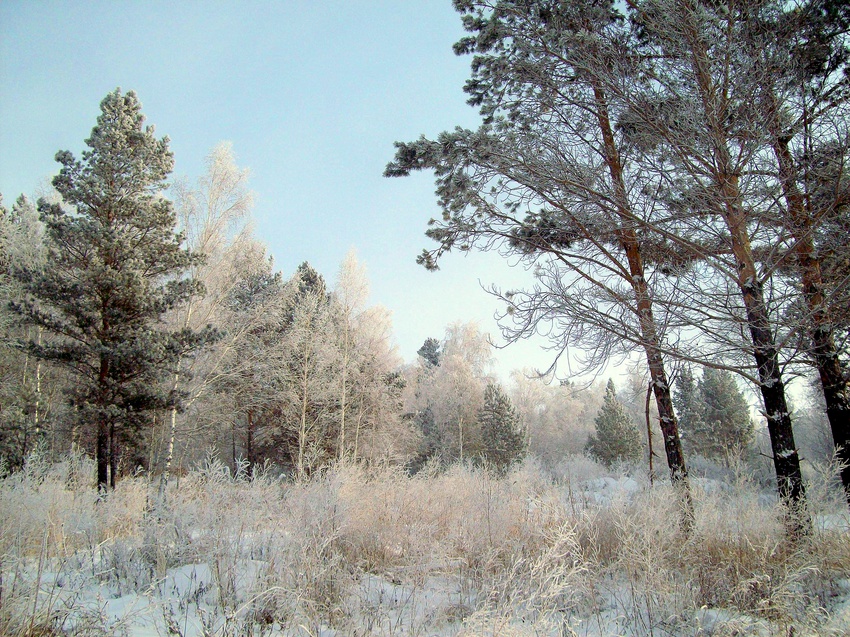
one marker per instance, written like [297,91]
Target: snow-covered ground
[459,553]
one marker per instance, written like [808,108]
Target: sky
[311,95]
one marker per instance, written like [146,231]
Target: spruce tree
[430,352]
[725,426]
[617,438]
[502,442]
[689,406]
[115,269]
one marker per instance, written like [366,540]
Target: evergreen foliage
[725,427]
[116,266]
[617,438]
[714,414]
[429,441]
[502,441]
[688,404]
[430,352]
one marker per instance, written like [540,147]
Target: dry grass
[379,552]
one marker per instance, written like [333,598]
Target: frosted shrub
[374,551]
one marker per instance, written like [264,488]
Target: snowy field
[357,552]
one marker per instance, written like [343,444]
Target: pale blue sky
[311,95]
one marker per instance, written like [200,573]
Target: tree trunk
[113,456]
[169,454]
[102,450]
[102,455]
[37,412]
[249,443]
[360,412]
[650,452]
[302,429]
[343,398]
[824,352]
[649,335]
[835,393]
[233,443]
[786,459]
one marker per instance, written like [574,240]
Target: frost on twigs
[378,552]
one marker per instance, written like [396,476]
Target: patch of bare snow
[605,490]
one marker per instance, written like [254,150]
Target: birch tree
[306,357]
[368,411]
[215,216]
[350,294]
[26,386]
[243,383]
[557,418]
[452,393]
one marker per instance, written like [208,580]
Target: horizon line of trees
[134,325]
[162,322]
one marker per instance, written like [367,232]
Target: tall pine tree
[116,266]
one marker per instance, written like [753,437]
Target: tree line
[672,173]
[134,323]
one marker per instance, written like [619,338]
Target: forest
[193,442]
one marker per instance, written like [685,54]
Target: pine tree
[430,352]
[688,405]
[617,438]
[502,442]
[725,427]
[429,441]
[546,179]
[116,266]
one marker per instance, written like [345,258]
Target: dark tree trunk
[649,334]
[249,443]
[104,439]
[113,456]
[786,459]
[102,455]
[835,392]
[824,352]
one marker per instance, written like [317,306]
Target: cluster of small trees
[144,329]
[714,421]
[674,173]
[458,408]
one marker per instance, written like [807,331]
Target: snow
[723,621]
[603,491]
[343,556]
